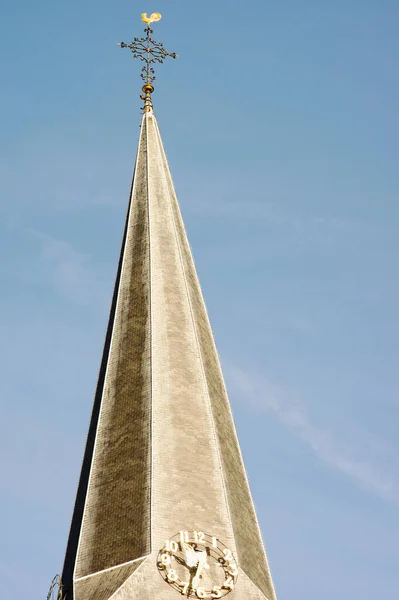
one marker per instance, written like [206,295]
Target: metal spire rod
[150,52]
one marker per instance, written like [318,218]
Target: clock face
[198,565]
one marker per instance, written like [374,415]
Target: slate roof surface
[162,453]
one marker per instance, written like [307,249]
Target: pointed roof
[162,453]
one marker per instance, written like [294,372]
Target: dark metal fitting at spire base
[55,591]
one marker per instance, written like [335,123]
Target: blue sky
[281,126]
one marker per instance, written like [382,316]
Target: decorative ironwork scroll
[148,50]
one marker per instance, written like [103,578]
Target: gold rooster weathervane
[150,52]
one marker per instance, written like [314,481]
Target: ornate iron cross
[150,52]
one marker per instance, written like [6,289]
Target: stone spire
[163,507]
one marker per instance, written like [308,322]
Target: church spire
[163,507]
[149,51]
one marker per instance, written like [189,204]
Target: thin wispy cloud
[60,178]
[228,206]
[72,273]
[362,462]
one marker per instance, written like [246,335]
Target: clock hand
[190,556]
[201,564]
[190,585]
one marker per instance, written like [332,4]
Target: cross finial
[150,52]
